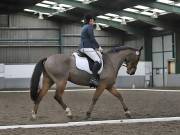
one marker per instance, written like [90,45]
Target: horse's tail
[36,78]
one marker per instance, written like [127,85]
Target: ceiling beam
[98,10]
[137,16]
[79,5]
[159,5]
[51,11]
[117,25]
[147,19]
[163,6]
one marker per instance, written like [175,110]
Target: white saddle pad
[82,64]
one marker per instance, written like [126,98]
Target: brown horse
[60,68]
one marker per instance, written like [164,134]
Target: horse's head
[132,60]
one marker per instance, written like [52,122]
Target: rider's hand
[100,49]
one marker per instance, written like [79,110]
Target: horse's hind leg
[117,94]
[58,96]
[46,84]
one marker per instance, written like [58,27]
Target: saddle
[83,62]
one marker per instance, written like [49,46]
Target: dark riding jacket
[87,37]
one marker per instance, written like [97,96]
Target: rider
[91,48]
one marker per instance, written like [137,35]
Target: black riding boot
[94,81]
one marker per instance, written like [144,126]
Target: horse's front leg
[97,94]
[117,94]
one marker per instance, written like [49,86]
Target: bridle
[124,65]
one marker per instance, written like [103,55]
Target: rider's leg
[95,56]
[94,81]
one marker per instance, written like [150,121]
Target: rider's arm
[100,49]
[91,35]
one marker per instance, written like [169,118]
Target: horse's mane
[120,48]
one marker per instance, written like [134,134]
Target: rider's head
[89,19]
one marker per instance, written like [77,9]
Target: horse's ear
[140,48]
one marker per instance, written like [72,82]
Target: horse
[60,68]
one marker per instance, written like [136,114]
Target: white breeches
[95,55]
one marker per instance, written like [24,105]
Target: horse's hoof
[68,113]
[70,117]
[87,118]
[128,114]
[33,115]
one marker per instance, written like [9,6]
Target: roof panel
[86,1]
[166,1]
[42,5]
[12,6]
[141,7]
[49,2]
[104,17]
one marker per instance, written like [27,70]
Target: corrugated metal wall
[136,43]
[28,39]
[70,38]
[25,21]
[4,20]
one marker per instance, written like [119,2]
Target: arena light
[123,21]
[66,6]
[158,11]
[131,10]
[141,7]
[129,19]
[29,10]
[42,5]
[103,25]
[98,27]
[86,2]
[40,16]
[49,2]
[112,15]
[147,13]
[177,4]
[154,15]
[59,8]
[104,17]
[117,20]
[170,2]
[158,28]
[80,0]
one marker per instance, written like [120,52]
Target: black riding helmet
[87,18]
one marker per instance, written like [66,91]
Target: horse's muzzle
[132,71]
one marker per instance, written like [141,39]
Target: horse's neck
[117,60]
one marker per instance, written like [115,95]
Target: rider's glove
[100,49]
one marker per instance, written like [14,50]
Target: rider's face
[91,21]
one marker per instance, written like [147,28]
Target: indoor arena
[89,67]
